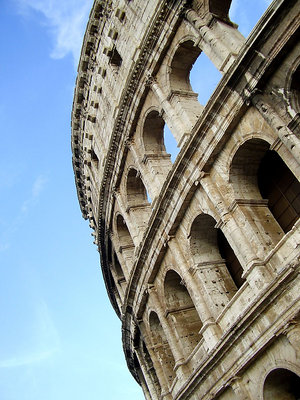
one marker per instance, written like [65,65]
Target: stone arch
[259,173]
[138,203]
[293,86]
[244,168]
[181,311]
[209,247]
[162,349]
[145,356]
[157,160]
[123,232]
[153,133]
[125,240]
[281,384]
[182,62]
[118,269]
[182,97]
[135,188]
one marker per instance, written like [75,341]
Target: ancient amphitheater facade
[201,256]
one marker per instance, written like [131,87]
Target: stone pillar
[288,138]
[239,388]
[292,332]
[221,53]
[147,378]
[174,343]
[165,393]
[151,184]
[236,223]
[210,331]
[178,127]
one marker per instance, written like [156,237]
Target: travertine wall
[201,256]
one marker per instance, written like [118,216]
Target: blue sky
[60,338]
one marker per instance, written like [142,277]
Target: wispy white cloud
[46,339]
[66,20]
[29,203]
[26,360]
[244,16]
[36,190]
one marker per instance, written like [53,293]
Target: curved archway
[125,241]
[295,90]
[162,348]
[210,246]
[181,65]
[136,191]
[279,185]
[123,232]
[181,311]
[153,133]
[118,269]
[244,169]
[182,96]
[258,173]
[281,384]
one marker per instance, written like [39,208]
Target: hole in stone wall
[136,192]
[279,185]
[295,90]
[115,58]
[181,311]
[282,384]
[163,350]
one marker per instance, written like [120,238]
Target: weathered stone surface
[200,257]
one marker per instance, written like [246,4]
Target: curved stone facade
[205,275]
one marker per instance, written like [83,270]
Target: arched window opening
[295,90]
[115,58]
[158,138]
[181,310]
[183,98]
[209,247]
[149,367]
[136,191]
[162,348]
[158,153]
[243,172]
[125,241]
[181,65]
[234,267]
[118,269]
[153,133]
[94,158]
[282,384]
[204,78]
[123,233]
[277,184]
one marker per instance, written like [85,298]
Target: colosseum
[200,255]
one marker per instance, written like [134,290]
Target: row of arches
[256,173]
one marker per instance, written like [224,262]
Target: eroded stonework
[201,256]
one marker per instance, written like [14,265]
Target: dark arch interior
[182,63]
[295,90]
[282,384]
[136,191]
[277,184]
[153,134]
[233,265]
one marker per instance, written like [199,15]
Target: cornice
[99,15]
